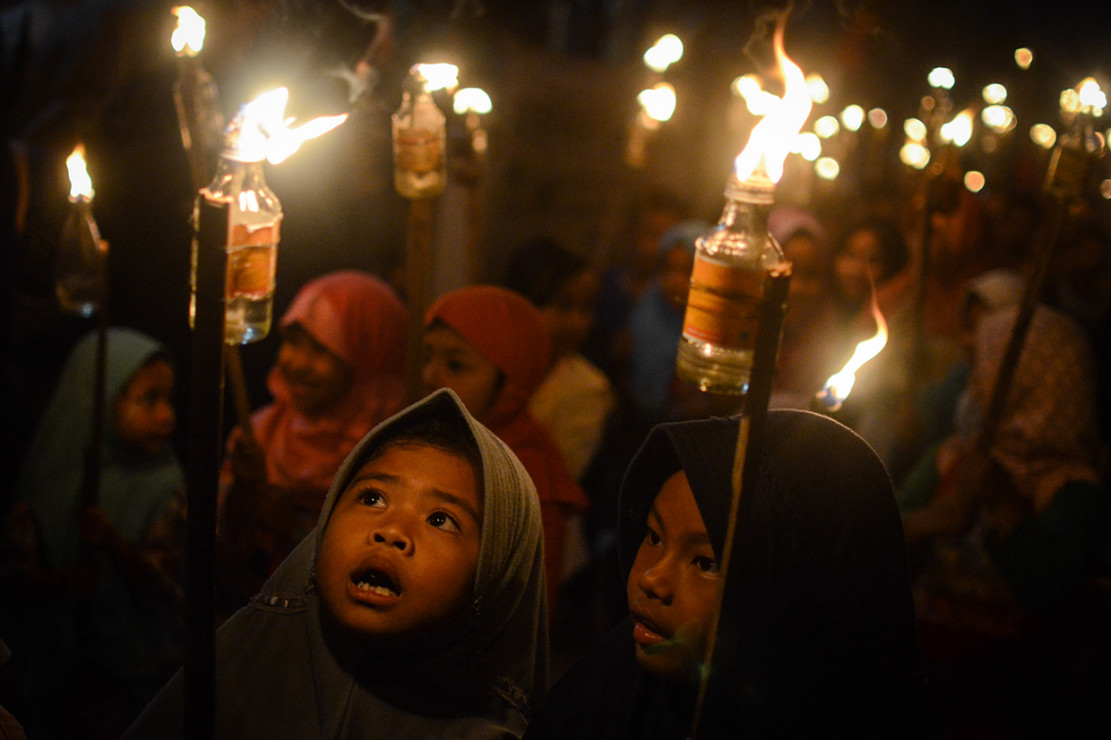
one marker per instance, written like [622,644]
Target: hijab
[825,619]
[280,675]
[360,320]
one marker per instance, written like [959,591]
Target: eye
[456,367]
[706,565]
[651,538]
[443,520]
[371,497]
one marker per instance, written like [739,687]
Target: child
[338,373]
[90,594]
[825,637]
[415,609]
[490,345]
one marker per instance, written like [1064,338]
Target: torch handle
[238,383]
[417,269]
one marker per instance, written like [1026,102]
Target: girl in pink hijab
[339,372]
[490,345]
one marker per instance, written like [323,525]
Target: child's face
[450,361]
[673,584]
[400,550]
[316,378]
[570,315]
[858,266]
[144,410]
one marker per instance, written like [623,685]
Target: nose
[391,534]
[656,582]
[430,376]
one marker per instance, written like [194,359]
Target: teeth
[380,590]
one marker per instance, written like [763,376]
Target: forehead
[157,372]
[676,508]
[421,465]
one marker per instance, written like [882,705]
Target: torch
[82,288]
[472,103]
[236,221]
[420,175]
[840,384]
[731,333]
[195,97]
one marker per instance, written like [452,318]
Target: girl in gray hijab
[415,609]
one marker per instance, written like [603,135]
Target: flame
[770,140]
[840,384]
[959,130]
[188,37]
[438,76]
[265,128]
[80,184]
[473,100]
[667,50]
[658,102]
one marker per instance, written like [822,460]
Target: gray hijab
[280,674]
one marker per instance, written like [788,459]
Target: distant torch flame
[771,138]
[840,384]
[80,184]
[188,37]
[958,131]
[439,76]
[265,126]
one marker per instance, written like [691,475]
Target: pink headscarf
[360,319]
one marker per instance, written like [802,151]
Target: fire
[771,139]
[840,384]
[188,37]
[439,76]
[667,50]
[80,184]
[959,130]
[658,102]
[265,128]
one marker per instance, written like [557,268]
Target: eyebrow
[693,539]
[439,493]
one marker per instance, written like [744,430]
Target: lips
[375,586]
[646,632]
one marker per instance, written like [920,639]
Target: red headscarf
[509,331]
[359,319]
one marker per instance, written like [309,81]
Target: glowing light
[914,129]
[471,100]
[819,90]
[1092,99]
[974,181]
[914,155]
[994,94]
[958,131]
[667,50]
[999,118]
[1043,135]
[188,36]
[840,384]
[852,117]
[1105,189]
[80,184]
[265,130]
[827,168]
[808,146]
[758,101]
[439,76]
[770,139]
[658,102]
[1024,58]
[826,127]
[941,77]
[747,86]
[877,117]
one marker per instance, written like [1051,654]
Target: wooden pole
[202,476]
[418,267]
[720,672]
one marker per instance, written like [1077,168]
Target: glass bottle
[80,268]
[254,216]
[727,285]
[419,142]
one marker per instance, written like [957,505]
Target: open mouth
[376,582]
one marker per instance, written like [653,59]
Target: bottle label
[724,305]
[416,150]
[252,261]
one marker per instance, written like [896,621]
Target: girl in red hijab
[339,372]
[490,345]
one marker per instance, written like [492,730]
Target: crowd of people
[536,545]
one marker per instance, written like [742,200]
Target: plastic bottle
[727,283]
[419,142]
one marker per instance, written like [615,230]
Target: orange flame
[188,36]
[771,138]
[80,184]
[840,384]
[266,130]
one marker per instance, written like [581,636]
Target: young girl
[824,641]
[90,594]
[339,371]
[415,609]
[490,346]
